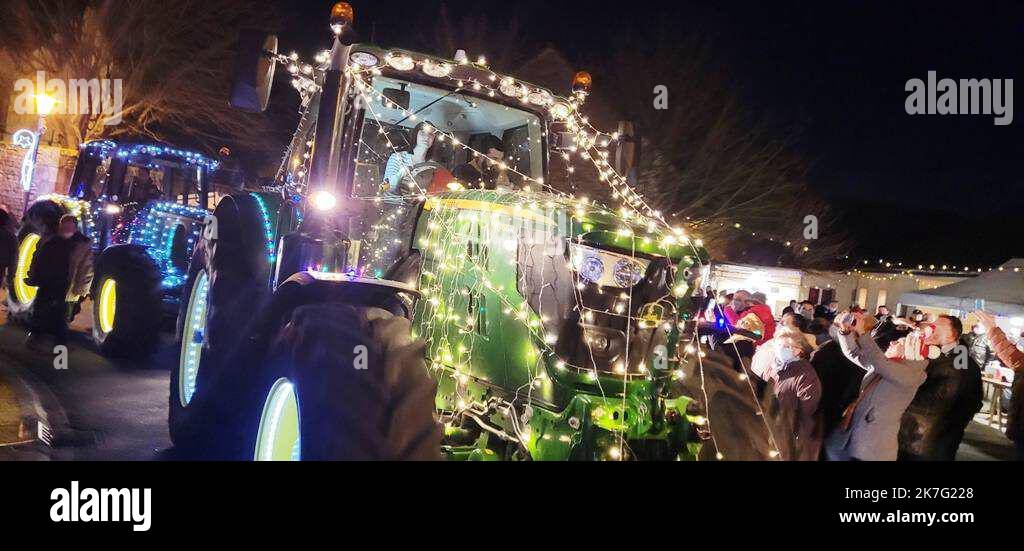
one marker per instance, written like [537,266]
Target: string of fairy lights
[449,259]
[635,215]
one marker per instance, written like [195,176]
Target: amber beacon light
[581,82]
[341,16]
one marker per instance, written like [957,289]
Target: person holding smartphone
[869,428]
[1014,359]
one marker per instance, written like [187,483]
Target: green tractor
[378,303]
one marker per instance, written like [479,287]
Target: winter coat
[50,269]
[872,435]
[934,423]
[764,313]
[1014,359]
[8,253]
[80,268]
[798,392]
[840,382]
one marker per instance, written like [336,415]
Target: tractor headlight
[323,201]
[436,68]
[399,61]
[560,110]
[591,268]
[628,273]
[606,268]
[364,59]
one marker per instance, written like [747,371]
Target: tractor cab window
[185,185]
[162,179]
[144,182]
[90,177]
[417,139]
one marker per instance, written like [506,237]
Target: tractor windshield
[417,139]
[149,179]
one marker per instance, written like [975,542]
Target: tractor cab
[118,180]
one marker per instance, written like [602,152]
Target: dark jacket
[934,423]
[840,382]
[8,253]
[798,391]
[50,270]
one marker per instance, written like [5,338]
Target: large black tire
[178,410]
[733,412]
[19,310]
[308,335]
[138,311]
[382,409]
[237,271]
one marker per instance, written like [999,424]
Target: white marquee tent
[999,292]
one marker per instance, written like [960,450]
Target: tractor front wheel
[21,295]
[347,383]
[127,304]
[735,415]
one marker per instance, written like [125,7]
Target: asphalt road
[114,410]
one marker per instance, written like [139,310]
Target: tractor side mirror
[254,70]
[627,151]
[396,96]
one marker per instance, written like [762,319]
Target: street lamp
[30,141]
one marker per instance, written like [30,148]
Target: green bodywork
[502,390]
[485,341]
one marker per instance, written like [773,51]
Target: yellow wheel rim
[107,305]
[278,436]
[24,292]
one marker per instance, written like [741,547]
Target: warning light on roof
[341,16]
[581,82]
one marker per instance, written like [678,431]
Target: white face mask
[784,355]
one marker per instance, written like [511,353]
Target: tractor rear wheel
[734,413]
[127,303]
[349,383]
[227,283]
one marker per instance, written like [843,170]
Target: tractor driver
[483,171]
[420,150]
[143,189]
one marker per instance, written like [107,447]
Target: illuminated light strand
[104,148]
[268,231]
[154,230]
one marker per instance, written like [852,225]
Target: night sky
[915,188]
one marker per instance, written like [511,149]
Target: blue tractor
[143,206]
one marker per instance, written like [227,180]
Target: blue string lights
[105,148]
[268,230]
[155,229]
